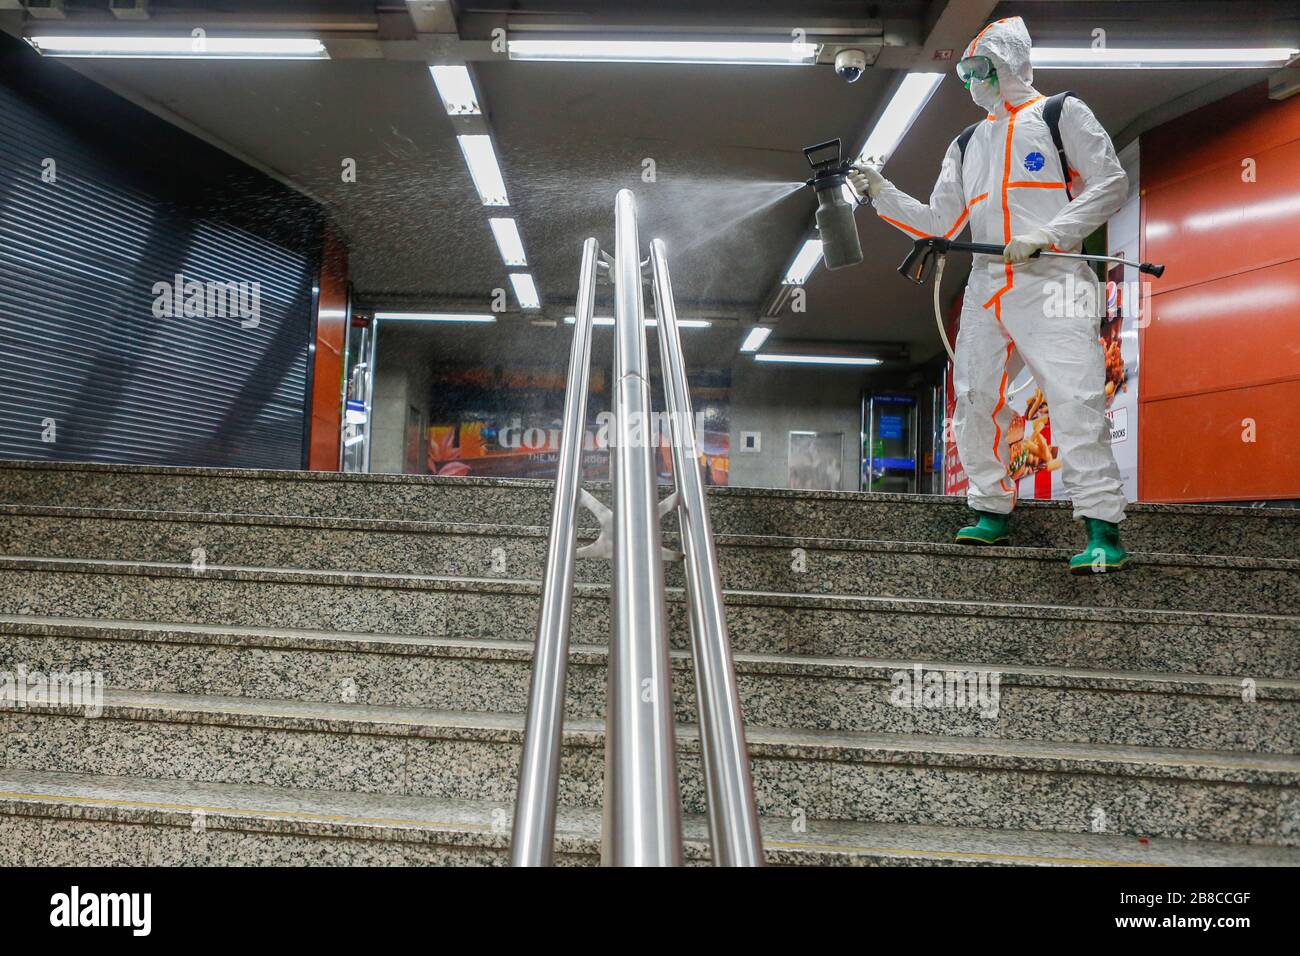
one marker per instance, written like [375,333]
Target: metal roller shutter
[81,260]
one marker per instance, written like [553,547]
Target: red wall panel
[1222,133]
[1205,437]
[1223,345]
[331,333]
[1234,332]
[1213,223]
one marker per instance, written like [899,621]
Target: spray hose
[938,310]
[926,251]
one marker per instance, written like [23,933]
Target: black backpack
[1052,116]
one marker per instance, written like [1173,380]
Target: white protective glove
[866,181]
[1021,248]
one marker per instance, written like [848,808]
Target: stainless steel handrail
[733,818]
[533,840]
[642,812]
[642,818]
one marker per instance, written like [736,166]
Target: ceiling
[725,142]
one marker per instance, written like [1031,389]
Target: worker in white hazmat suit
[1009,184]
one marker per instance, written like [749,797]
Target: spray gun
[835,224]
[931,248]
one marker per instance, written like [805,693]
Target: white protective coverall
[1011,183]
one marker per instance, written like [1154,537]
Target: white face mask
[985,93]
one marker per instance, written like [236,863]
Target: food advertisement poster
[1126,300]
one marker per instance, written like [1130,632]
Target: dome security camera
[850,64]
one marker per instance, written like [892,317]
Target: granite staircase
[329,669]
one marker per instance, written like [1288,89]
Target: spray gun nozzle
[826,160]
[823,155]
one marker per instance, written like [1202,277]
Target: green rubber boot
[989,529]
[1104,552]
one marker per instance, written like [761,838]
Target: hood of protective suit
[1007,44]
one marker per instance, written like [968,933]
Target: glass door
[889,443]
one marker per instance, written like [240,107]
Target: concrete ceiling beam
[952,29]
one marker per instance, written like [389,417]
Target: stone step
[1187,529]
[1259,647]
[881,778]
[779,691]
[748,563]
[53,819]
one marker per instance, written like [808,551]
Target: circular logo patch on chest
[1034,161]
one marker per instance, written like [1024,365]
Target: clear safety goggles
[975,68]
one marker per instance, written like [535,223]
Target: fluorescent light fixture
[525,290]
[606,320]
[816,359]
[482,162]
[456,90]
[756,337]
[433,317]
[904,107]
[774,52]
[506,233]
[185,47]
[804,263]
[1171,58]
[685,323]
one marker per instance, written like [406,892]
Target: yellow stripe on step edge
[953,854]
[190,808]
[393,821]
